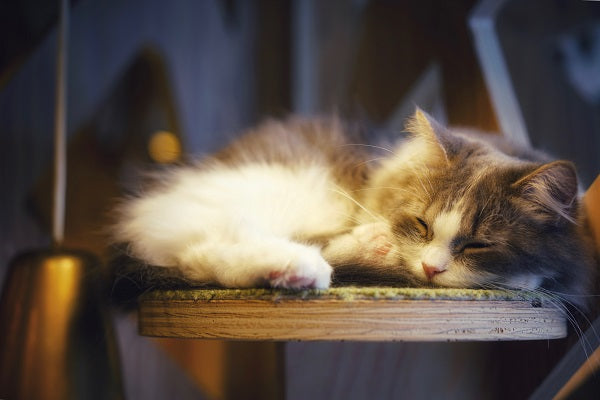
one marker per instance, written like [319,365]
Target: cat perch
[366,314]
[348,313]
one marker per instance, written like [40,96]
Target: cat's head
[467,215]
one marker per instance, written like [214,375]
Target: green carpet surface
[340,293]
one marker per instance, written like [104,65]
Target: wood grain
[356,318]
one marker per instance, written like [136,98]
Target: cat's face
[471,231]
[464,215]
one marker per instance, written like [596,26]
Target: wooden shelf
[366,314]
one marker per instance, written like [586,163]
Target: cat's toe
[284,279]
[306,271]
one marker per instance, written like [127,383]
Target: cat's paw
[367,244]
[375,239]
[306,270]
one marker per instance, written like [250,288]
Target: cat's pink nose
[431,270]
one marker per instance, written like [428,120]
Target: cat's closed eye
[474,246]
[422,227]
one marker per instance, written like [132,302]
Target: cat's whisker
[369,161]
[424,172]
[423,186]
[371,146]
[350,217]
[484,206]
[545,295]
[560,303]
[564,299]
[419,172]
[576,295]
[341,192]
[395,188]
[585,344]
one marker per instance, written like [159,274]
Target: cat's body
[285,203]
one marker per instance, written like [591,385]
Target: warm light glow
[164,147]
[58,294]
[43,303]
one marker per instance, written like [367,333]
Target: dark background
[207,69]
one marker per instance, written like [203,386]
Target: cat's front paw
[375,239]
[367,244]
[306,270]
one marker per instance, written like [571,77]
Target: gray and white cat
[298,203]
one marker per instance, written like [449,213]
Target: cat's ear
[441,139]
[550,191]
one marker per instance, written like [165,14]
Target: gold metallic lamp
[56,340]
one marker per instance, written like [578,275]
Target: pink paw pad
[287,280]
[383,249]
[379,245]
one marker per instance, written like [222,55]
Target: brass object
[56,340]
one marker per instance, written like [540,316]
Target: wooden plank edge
[356,320]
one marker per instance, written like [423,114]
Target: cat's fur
[293,204]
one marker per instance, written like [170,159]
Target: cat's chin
[525,282]
[453,280]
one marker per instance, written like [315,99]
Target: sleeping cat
[297,204]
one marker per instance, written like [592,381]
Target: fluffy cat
[298,203]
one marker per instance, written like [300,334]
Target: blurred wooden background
[206,69]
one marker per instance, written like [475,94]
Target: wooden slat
[433,315]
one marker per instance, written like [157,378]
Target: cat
[301,204]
